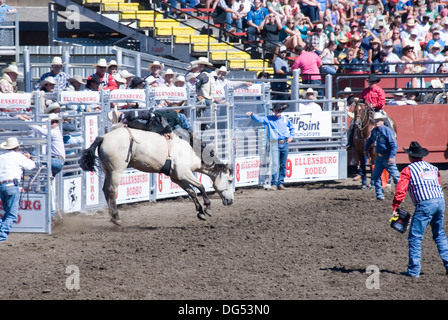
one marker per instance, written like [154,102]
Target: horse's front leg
[364,171]
[187,187]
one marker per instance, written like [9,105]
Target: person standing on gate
[281,133]
[12,163]
[422,181]
[386,147]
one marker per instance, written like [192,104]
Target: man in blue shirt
[281,132]
[4,8]
[254,17]
[386,148]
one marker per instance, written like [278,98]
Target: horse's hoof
[116,221]
[201,216]
[208,212]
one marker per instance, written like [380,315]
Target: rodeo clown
[422,181]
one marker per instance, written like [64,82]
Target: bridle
[363,116]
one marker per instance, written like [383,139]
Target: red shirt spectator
[107,80]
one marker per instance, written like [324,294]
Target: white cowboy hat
[126,74]
[310,90]
[113,63]
[57,61]
[47,80]
[10,143]
[348,89]
[54,116]
[118,78]
[191,75]
[101,63]
[156,63]
[379,116]
[76,78]
[179,79]
[52,107]
[168,72]
[13,69]
[150,80]
[223,69]
[193,64]
[203,60]
[399,93]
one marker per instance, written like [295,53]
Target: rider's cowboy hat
[10,143]
[13,69]
[379,116]
[373,78]
[415,150]
[280,106]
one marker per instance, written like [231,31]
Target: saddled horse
[363,120]
[148,152]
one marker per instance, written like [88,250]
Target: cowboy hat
[203,60]
[156,63]
[76,78]
[399,93]
[52,107]
[150,80]
[410,22]
[118,78]
[54,117]
[113,63]
[191,75]
[373,78]
[10,143]
[101,63]
[169,72]
[223,69]
[13,69]
[343,39]
[57,61]
[135,82]
[415,150]
[46,81]
[310,90]
[379,116]
[126,74]
[279,106]
[179,79]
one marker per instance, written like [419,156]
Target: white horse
[148,152]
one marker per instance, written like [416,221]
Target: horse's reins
[365,113]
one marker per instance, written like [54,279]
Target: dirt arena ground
[313,241]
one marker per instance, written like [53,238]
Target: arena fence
[317,152]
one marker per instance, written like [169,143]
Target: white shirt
[309,107]
[57,140]
[12,164]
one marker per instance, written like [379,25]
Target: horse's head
[364,114]
[223,183]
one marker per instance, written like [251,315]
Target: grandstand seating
[179,31]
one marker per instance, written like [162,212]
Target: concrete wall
[28,3]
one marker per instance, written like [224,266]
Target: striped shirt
[421,180]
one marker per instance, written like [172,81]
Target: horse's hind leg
[110,189]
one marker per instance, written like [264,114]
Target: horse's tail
[89,160]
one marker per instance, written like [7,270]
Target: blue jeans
[427,212]
[10,196]
[56,166]
[230,20]
[382,163]
[279,156]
